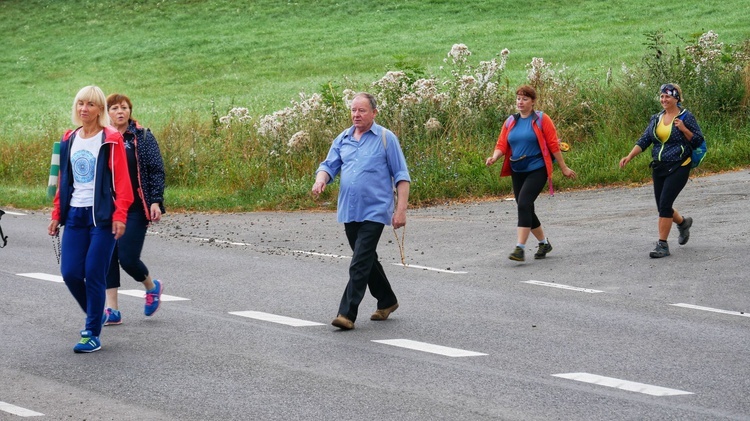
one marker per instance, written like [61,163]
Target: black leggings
[526,188]
[666,189]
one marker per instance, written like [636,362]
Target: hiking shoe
[661,250]
[542,251]
[88,343]
[517,255]
[343,323]
[111,317]
[684,229]
[383,313]
[153,299]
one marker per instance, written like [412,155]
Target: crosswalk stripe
[561,286]
[15,213]
[142,294]
[431,348]
[43,276]
[274,318]
[647,389]
[715,310]
[430,268]
[17,410]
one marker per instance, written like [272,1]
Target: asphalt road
[596,331]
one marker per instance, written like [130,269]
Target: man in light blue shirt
[370,160]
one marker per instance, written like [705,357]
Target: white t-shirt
[83,155]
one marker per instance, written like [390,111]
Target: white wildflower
[298,140]
[433,125]
[459,53]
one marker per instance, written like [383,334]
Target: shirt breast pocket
[373,161]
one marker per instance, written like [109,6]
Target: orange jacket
[546,136]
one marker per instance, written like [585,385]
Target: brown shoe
[343,323]
[383,314]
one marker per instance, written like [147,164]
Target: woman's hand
[155,212]
[118,229]
[624,161]
[53,228]
[569,173]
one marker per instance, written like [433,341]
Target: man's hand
[321,179]
[399,219]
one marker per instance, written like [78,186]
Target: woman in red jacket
[528,141]
[92,203]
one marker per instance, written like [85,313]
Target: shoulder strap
[385,146]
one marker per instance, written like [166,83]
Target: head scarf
[671,90]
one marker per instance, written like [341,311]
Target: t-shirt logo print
[83,166]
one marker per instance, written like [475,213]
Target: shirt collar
[376,129]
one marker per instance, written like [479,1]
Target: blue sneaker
[88,343]
[153,299]
[111,317]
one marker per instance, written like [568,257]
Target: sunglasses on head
[670,90]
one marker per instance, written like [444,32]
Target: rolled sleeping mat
[54,170]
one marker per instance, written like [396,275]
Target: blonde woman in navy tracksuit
[92,203]
[674,132]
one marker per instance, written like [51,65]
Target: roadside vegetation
[244,114]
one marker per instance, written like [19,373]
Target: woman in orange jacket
[528,141]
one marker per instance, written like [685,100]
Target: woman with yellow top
[674,132]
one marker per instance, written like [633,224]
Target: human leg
[666,189]
[526,188]
[669,188]
[363,239]
[130,249]
[112,314]
[130,246]
[74,246]
[98,259]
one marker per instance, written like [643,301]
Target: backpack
[698,153]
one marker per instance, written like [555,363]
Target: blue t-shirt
[526,155]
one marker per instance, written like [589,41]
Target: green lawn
[172,57]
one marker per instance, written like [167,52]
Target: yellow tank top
[663,131]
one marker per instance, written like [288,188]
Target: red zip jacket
[546,136]
[113,193]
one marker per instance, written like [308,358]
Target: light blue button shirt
[368,173]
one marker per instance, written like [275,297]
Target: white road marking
[715,310]
[429,268]
[213,240]
[622,384]
[43,276]
[17,410]
[568,287]
[274,318]
[312,253]
[142,294]
[425,347]
[338,256]
[14,213]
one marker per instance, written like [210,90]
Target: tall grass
[231,153]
